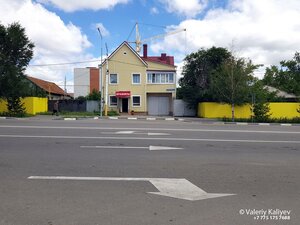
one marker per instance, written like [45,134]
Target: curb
[167,119]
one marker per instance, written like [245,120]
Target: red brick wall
[94,79]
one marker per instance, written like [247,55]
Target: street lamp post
[251,84]
[100,77]
[106,82]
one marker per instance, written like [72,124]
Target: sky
[66,37]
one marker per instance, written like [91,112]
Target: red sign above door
[122,94]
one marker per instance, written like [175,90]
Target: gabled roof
[47,86]
[280,93]
[134,52]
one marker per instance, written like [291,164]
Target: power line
[153,25]
[61,64]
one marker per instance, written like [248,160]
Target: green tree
[196,81]
[230,82]
[16,51]
[259,101]
[94,95]
[286,77]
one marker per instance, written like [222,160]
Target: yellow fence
[33,105]
[218,110]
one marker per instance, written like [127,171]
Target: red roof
[47,86]
[168,60]
[163,58]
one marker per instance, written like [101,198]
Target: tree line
[217,75]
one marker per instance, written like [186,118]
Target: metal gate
[158,105]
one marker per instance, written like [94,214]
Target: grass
[20,115]
[80,114]
[270,120]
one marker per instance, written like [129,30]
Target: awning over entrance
[122,94]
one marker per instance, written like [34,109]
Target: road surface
[119,172]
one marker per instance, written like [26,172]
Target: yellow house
[143,84]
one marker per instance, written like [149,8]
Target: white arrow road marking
[159,148]
[182,189]
[125,132]
[134,132]
[174,188]
[151,147]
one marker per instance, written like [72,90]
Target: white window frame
[109,99]
[110,79]
[132,103]
[132,78]
[158,77]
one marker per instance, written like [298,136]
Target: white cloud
[54,40]
[267,31]
[154,11]
[187,8]
[76,5]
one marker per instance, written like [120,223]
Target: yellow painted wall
[33,105]
[124,65]
[284,109]
[218,110]
[3,107]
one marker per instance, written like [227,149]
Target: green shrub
[112,113]
[261,112]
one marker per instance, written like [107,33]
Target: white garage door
[158,105]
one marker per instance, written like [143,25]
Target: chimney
[163,57]
[145,51]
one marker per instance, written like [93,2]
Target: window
[136,101]
[113,101]
[160,78]
[171,77]
[136,78]
[113,78]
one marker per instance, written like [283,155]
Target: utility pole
[100,76]
[106,82]
[65,85]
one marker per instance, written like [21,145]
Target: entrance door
[124,104]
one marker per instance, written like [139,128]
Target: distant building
[85,81]
[45,88]
[281,94]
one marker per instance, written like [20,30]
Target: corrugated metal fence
[74,105]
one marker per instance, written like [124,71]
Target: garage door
[158,106]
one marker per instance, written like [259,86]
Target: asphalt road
[102,172]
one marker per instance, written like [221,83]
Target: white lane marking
[135,132]
[151,147]
[148,138]
[114,147]
[125,132]
[158,134]
[153,129]
[174,188]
